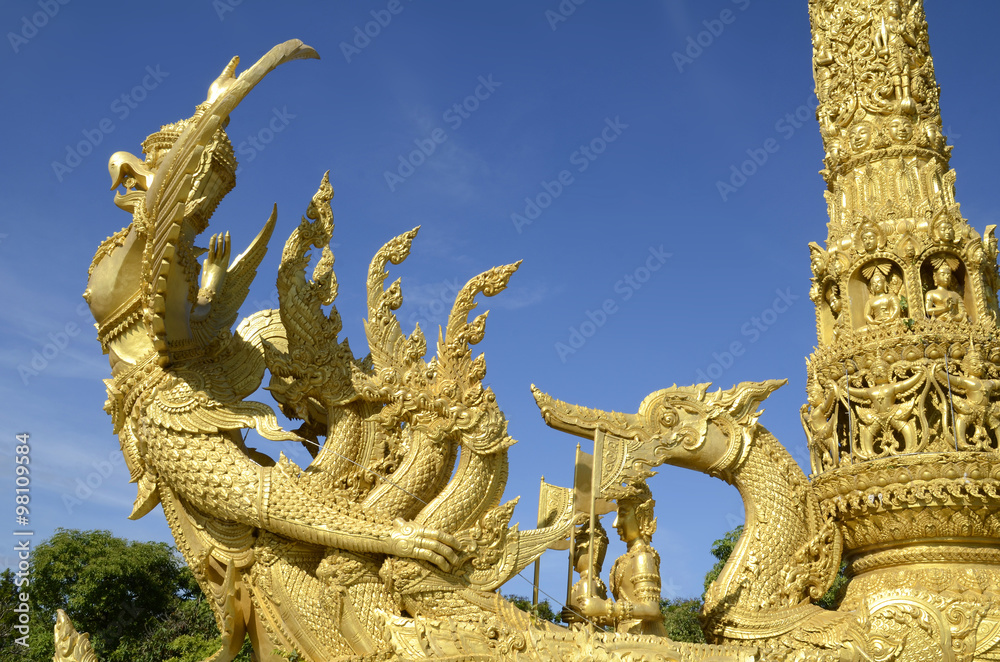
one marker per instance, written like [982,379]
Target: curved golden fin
[172,219]
[582,421]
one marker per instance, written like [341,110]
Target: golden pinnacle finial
[898,252]
[886,157]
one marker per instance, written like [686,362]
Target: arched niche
[833,308]
[873,308]
[960,284]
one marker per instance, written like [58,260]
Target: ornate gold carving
[635,576]
[71,646]
[393,542]
[394,539]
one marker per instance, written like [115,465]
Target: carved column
[903,386]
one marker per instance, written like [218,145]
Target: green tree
[10,651]
[112,588]
[137,600]
[542,610]
[186,634]
[831,599]
[680,619]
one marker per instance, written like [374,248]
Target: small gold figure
[833,300]
[861,137]
[934,136]
[943,231]
[635,576]
[836,304]
[885,413]
[901,130]
[881,307]
[868,237]
[820,429]
[974,408]
[586,566]
[893,41]
[942,302]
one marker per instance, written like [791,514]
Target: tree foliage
[722,549]
[112,588]
[542,611]
[680,619]
[137,600]
[10,651]
[831,599]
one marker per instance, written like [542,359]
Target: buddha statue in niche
[882,306]
[943,302]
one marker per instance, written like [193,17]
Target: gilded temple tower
[904,387]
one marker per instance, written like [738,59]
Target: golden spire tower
[891,194]
[902,388]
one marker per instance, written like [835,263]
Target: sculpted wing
[226,304]
[182,196]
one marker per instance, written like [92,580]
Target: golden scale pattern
[392,544]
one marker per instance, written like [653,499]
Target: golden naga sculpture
[393,542]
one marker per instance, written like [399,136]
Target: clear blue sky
[650,192]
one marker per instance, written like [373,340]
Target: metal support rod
[951,403]
[595,487]
[538,561]
[572,533]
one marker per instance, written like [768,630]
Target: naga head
[683,426]
[443,398]
[142,283]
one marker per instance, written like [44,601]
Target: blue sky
[634,246]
